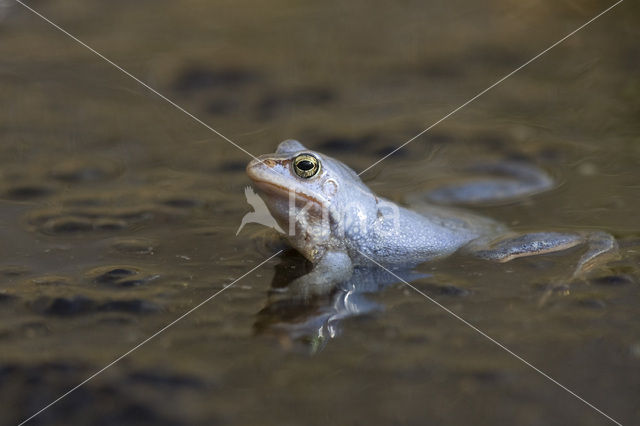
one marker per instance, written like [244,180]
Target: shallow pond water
[118,212]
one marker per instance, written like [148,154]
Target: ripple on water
[231,166]
[6,298]
[25,384]
[199,78]
[613,280]
[75,219]
[134,306]
[79,224]
[222,106]
[121,276]
[82,305]
[591,303]
[183,202]
[14,270]
[341,144]
[85,170]
[27,191]
[32,183]
[277,102]
[52,281]
[133,246]
[445,290]
[162,378]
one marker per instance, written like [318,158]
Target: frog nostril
[269,163]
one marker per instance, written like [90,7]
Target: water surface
[118,212]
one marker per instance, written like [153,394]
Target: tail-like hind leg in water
[601,247]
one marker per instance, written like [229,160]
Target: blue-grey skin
[506,180]
[362,226]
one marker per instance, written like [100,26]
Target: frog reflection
[302,315]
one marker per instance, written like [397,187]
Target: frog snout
[257,164]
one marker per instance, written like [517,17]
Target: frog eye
[306,165]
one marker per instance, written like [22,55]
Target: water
[118,212]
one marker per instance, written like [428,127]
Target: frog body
[334,220]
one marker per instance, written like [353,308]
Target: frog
[338,223]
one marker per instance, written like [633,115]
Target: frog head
[311,195]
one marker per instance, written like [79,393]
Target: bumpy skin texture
[338,222]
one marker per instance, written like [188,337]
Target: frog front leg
[331,269]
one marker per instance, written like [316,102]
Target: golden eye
[306,165]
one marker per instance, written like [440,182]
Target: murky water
[118,212]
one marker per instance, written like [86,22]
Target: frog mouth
[281,191]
